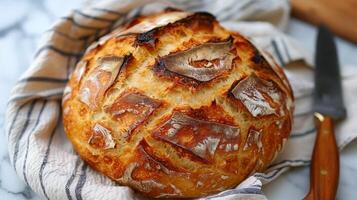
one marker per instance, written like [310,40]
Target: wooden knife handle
[324,170]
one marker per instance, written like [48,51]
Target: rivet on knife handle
[324,171]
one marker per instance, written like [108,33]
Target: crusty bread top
[174,105]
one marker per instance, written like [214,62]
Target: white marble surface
[23,21]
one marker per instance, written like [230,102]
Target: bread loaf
[174,105]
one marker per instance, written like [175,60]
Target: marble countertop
[21,25]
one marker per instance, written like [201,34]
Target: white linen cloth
[43,157]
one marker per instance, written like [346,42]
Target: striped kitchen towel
[44,158]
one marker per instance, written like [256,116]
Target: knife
[328,108]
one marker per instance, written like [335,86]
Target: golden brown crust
[181,109]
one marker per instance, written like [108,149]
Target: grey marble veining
[23,21]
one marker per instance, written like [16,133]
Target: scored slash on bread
[174,105]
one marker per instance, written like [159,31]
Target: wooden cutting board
[340,16]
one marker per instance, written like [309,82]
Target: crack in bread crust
[189,134]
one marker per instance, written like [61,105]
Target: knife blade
[328,107]
[328,97]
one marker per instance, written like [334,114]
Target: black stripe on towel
[14,119]
[43,79]
[286,50]
[285,164]
[17,142]
[79,25]
[45,158]
[289,162]
[116,24]
[77,54]
[70,59]
[57,50]
[75,23]
[69,37]
[267,176]
[108,11]
[236,191]
[93,17]
[228,12]
[35,95]
[85,39]
[71,179]
[81,182]
[308,132]
[277,52]
[96,35]
[24,166]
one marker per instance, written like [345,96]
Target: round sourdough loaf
[174,105]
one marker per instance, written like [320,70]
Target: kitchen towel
[45,159]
